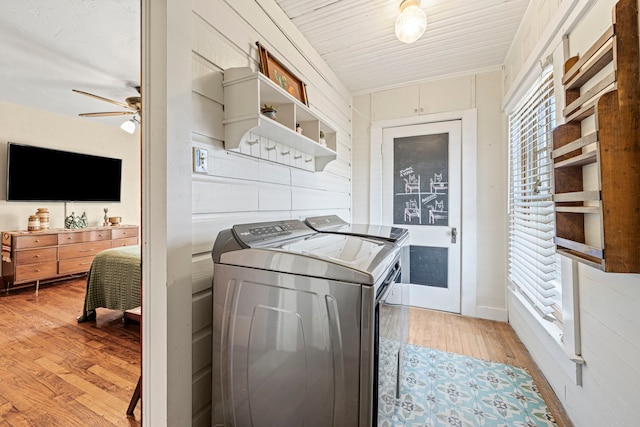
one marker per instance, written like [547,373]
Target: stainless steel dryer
[335,224]
[295,325]
[394,315]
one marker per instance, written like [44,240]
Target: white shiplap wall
[534,22]
[608,304]
[239,188]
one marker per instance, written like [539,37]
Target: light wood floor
[483,339]
[57,372]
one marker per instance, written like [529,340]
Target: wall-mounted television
[48,175]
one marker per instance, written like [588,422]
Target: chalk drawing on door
[412,210]
[421,187]
[412,184]
[437,212]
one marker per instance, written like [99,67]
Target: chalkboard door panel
[421,180]
[421,191]
[427,266]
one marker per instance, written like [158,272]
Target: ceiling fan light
[412,21]
[129,126]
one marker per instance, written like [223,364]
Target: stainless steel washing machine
[296,323]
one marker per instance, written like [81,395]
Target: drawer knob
[37,256]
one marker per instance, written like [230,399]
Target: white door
[421,191]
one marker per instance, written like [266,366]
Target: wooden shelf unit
[29,257]
[614,149]
[246,91]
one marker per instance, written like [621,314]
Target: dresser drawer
[83,236]
[75,265]
[35,241]
[80,250]
[31,256]
[43,270]
[121,233]
[124,242]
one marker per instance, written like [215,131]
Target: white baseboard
[492,313]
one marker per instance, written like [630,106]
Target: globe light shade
[129,126]
[412,21]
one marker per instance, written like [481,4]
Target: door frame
[469,215]
[424,234]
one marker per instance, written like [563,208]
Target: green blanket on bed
[113,281]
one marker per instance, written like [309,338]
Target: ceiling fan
[132,104]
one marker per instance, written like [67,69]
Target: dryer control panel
[259,234]
[326,222]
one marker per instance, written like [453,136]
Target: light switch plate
[199,160]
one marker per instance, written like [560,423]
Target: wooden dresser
[29,257]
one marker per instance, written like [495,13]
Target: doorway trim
[166,213]
[469,227]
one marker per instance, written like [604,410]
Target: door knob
[454,234]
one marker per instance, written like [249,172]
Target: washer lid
[335,224]
[330,256]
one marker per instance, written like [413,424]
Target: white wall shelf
[246,91]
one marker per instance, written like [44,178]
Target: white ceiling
[49,47]
[357,39]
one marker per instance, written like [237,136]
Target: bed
[113,281]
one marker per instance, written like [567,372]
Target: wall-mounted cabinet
[426,98]
[245,92]
[596,218]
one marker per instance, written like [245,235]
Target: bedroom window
[534,267]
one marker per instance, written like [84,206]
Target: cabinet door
[395,103]
[446,95]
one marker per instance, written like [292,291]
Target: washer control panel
[258,234]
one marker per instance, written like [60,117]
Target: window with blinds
[534,267]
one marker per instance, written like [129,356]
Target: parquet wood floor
[55,371]
[483,339]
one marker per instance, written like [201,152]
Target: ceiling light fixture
[412,21]
[130,125]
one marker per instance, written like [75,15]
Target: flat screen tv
[48,175]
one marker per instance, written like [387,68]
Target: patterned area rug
[445,389]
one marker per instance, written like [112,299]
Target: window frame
[533,263]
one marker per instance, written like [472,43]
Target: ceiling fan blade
[121,104]
[108,113]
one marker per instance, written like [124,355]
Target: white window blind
[533,263]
